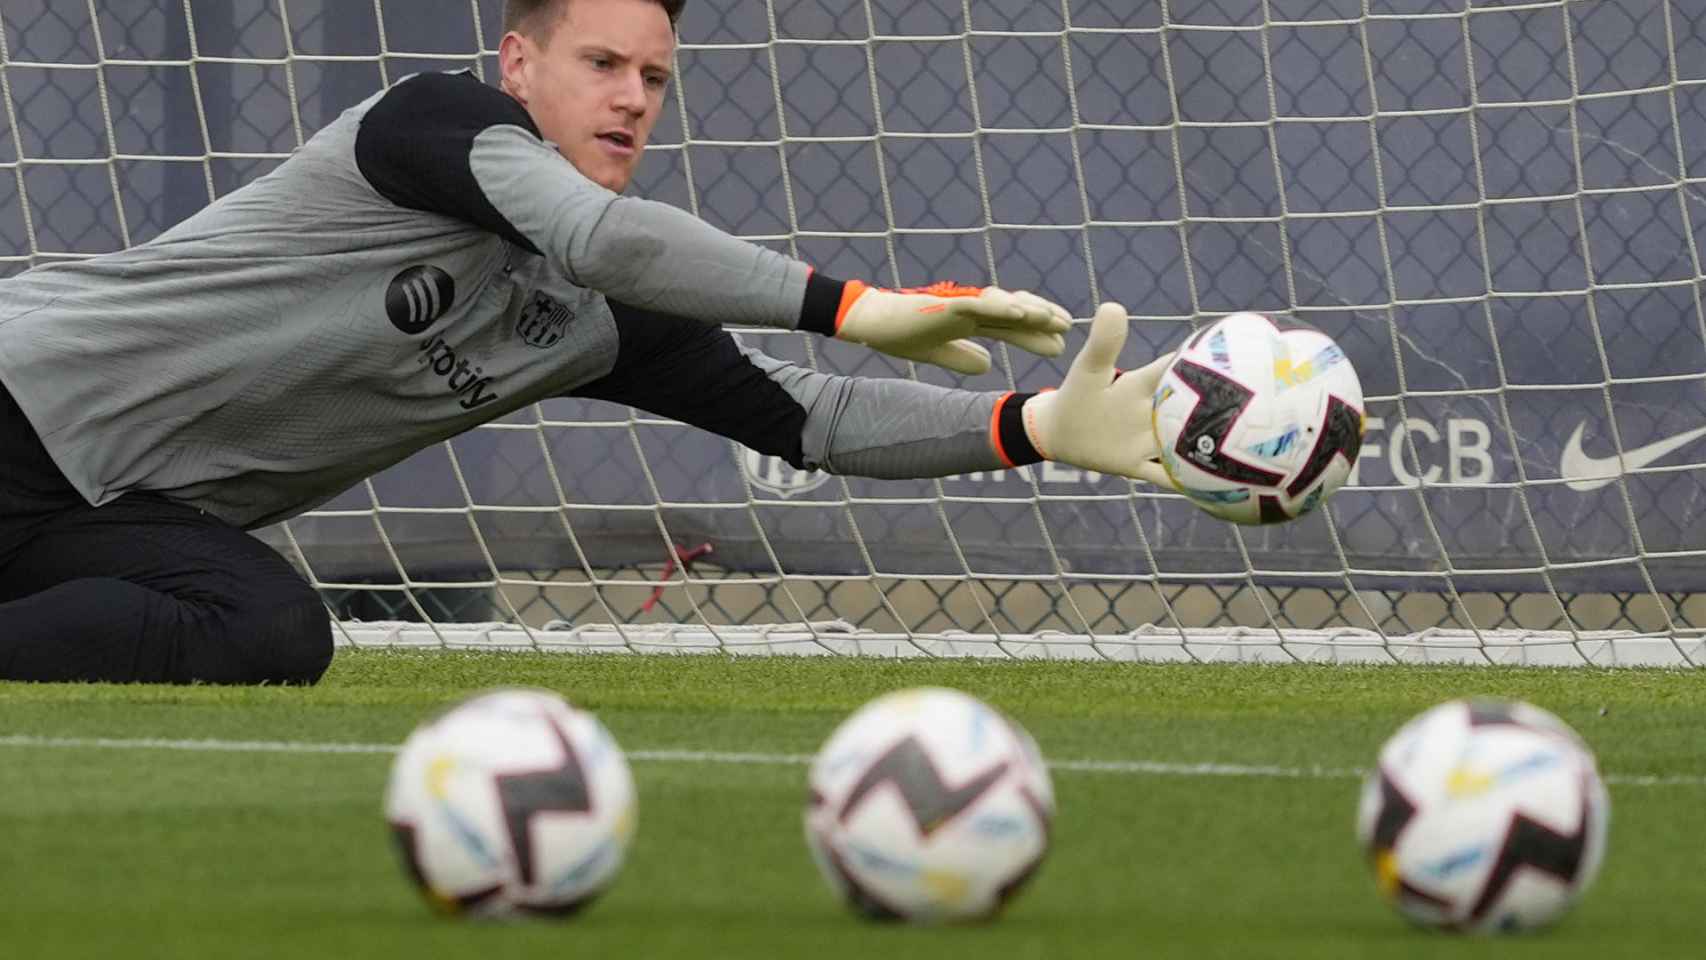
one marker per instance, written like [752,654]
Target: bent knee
[304,643]
[300,645]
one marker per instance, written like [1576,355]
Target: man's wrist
[823,304]
[1009,434]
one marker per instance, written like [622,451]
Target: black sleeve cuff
[822,304]
[1012,443]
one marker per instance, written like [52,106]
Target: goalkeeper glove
[1100,419]
[933,324]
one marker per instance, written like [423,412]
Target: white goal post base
[1555,648]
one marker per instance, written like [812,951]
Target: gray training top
[425,264]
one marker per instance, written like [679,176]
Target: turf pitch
[1204,811]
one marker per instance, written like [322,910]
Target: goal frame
[1468,197]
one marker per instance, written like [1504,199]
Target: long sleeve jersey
[424,264]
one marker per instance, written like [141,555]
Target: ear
[515,58]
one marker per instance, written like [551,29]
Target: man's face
[596,87]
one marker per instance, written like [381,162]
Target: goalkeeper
[441,255]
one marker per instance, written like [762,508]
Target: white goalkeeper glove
[1100,419]
[933,324]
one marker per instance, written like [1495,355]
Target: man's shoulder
[455,98]
[416,146]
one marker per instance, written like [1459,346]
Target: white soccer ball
[1258,421]
[928,805]
[511,803]
[1484,815]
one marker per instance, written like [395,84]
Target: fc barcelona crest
[543,321]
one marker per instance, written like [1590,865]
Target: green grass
[164,853]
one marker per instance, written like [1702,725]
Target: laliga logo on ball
[776,476]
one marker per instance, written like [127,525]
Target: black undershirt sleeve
[695,373]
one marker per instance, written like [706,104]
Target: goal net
[1496,208]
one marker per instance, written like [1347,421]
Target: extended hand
[933,324]
[1099,419]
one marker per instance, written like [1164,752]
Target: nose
[631,94]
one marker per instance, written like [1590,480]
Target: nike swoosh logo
[1583,473]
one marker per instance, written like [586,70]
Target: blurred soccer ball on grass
[1484,815]
[512,803]
[928,805]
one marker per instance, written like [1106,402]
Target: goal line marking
[1136,767]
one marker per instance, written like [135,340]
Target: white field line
[1130,767]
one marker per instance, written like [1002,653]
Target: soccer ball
[1258,420]
[928,805]
[511,803]
[1484,815]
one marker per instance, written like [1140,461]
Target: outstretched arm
[860,426]
[449,144]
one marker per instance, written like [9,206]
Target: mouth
[620,141]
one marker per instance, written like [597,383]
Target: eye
[657,81]
[598,62]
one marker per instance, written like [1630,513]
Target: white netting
[1496,208]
